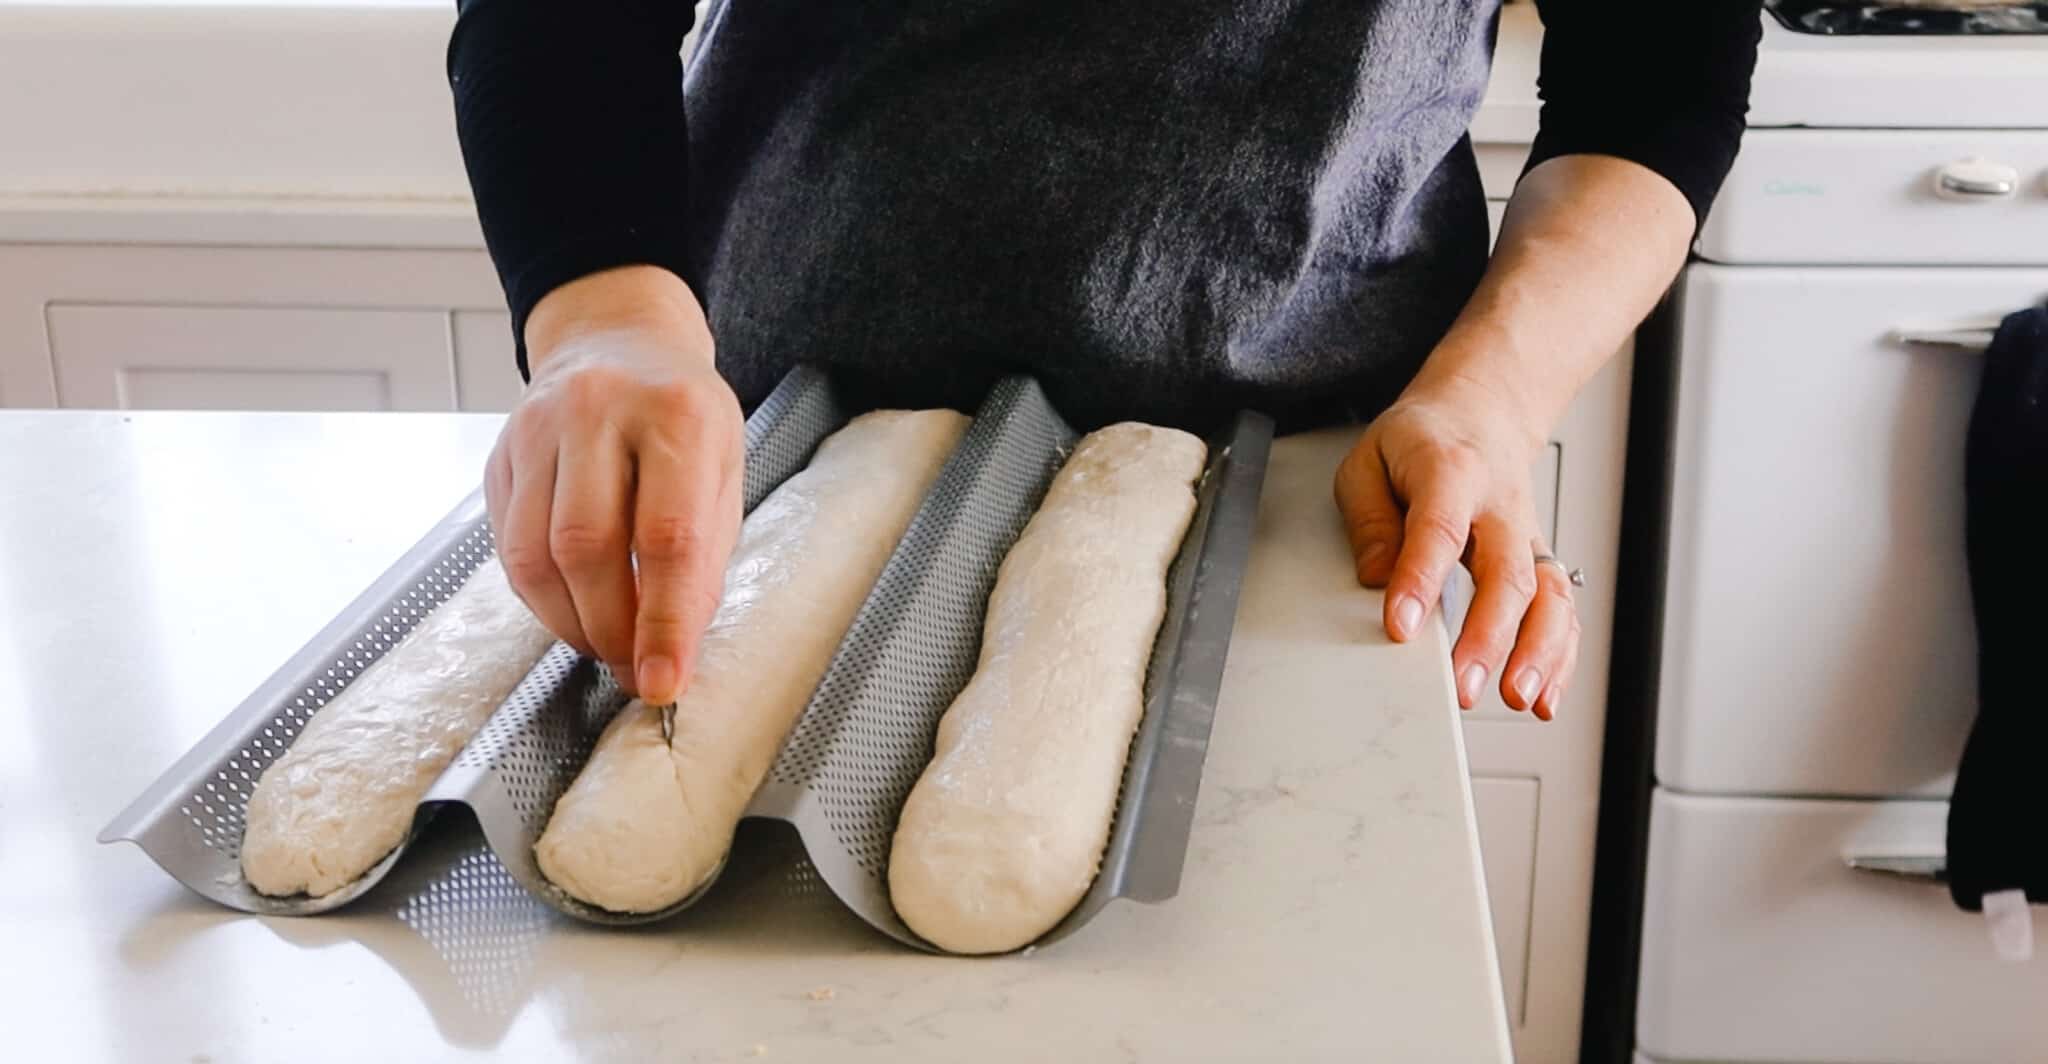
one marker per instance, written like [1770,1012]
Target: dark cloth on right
[1998,814]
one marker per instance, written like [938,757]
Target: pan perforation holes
[218,809]
[537,742]
[867,735]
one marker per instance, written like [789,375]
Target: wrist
[1476,369]
[645,300]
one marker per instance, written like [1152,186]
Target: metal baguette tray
[860,744]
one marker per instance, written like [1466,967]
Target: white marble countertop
[155,567]
[349,143]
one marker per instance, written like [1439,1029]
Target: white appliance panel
[1818,637]
[1761,944]
[1879,197]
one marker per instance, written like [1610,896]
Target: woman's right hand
[627,446]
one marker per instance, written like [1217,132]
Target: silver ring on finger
[1576,576]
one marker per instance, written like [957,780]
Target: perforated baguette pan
[861,742]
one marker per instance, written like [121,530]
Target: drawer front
[1818,637]
[1759,944]
[250,358]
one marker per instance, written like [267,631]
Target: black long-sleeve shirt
[1164,210]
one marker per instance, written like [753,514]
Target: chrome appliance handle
[1920,868]
[1972,334]
[1970,339]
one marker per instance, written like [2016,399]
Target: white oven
[1817,674]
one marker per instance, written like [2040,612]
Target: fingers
[523,536]
[1434,481]
[1503,572]
[591,542]
[684,523]
[1432,539]
[1372,519]
[1553,696]
[1546,647]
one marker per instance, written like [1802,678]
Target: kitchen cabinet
[132,357]
[252,328]
[1507,811]
[486,377]
[1579,476]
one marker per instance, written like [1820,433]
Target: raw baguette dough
[344,794]
[1004,831]
[646,822]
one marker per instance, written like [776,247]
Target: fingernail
[1528,684]
[1550,700]
[658,674]
[1407,616]
[1471,682]
[1373,552]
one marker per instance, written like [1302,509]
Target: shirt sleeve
[1664,84]
[570,116]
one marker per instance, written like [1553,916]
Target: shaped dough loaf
[647,821]
[343,795]
[1004,831]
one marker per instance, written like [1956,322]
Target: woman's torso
[1166,211]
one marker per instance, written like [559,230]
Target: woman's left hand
[1443,476]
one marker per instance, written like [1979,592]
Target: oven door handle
[1972,334]
[1920,868]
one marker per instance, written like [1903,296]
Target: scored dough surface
[647,821]
[1004,831]
[343,795]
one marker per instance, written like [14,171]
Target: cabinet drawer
[1759,944]
[250,358]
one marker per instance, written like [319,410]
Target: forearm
[1633,144]
[570,116]
[1589,244]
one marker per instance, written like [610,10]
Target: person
[1165,211]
